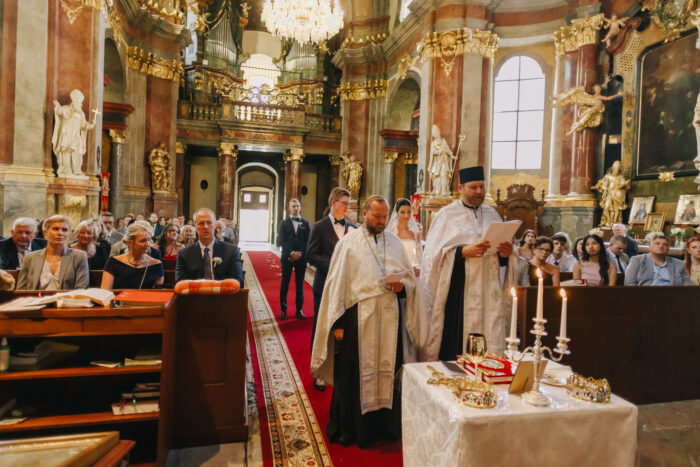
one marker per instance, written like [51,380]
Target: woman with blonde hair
[86,239]
[56,267]
[188,235]
[134,269]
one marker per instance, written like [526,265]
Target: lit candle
[562,326]
[540,293]
[514,314]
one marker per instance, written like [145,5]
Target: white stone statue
[441,167]
[70,134]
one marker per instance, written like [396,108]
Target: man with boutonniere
[208,258]
[293,237]
[367,325]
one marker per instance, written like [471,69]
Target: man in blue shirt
[656,267]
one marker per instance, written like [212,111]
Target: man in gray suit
[656,267]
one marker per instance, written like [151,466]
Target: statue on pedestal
[70,134]
[352,172]
[613,188]
[159,161]
[442,164]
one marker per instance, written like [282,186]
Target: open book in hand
[499,232]
[394,276]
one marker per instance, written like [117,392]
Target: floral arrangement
[596,231]
[648,238]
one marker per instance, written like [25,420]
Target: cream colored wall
[308,201]
[504,181]
[260,42]
[203,168]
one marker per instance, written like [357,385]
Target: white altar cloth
[437,430]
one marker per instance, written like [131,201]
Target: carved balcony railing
[325,123]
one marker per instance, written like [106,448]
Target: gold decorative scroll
[674,16]
[411,158]
[448,45]
[404,65]
[363,90]
[151,64]
[351,42]
[390,157]
[168,9]
[564,40]
[74,7]
[334,159]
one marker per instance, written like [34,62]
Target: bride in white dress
[404,226]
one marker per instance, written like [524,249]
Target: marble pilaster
[180,151]
[116,170]
[335,170]
[555,148]
[293,159]
[389,176]
[411,177]
[228,153]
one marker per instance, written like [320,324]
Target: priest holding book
[466,286]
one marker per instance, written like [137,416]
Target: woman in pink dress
[594,268]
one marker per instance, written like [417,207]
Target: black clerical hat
[471,174]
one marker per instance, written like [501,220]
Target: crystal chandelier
[303,20]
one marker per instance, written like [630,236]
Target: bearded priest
[466,287]
[368,300]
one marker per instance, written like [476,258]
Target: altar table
[440,431]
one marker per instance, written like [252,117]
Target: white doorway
[254,215]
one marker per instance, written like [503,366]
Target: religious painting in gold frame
[665,136]
[655,222]
[641,207]
[688,210]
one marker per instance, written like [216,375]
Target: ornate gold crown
[472,393]
[588,389]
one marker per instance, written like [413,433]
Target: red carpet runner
[297,336]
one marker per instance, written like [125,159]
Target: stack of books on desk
[144,398]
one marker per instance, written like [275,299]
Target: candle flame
[512,292]
[562,292]
[539,273]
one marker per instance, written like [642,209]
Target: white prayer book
[499,232]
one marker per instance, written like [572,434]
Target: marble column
[228,152]
[584,142]
[411,177]
[389,176]
[554,188]
[116,171]
[568,117]
[293,159]
[335,170]
[180,151]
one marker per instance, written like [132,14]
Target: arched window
[518,115]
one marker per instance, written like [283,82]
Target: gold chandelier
[303,20]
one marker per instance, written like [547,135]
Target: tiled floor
[668,434]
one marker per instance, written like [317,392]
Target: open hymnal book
[73,298]
[499,232]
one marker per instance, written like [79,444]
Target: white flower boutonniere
[216,261]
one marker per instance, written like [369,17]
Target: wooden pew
[644,340]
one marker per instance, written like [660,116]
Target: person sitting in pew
[594,267]
[134,269]
[656,267]
[577,250]
[167,242]
[692,259]
[188,235]
[22,242]
[58,266]
[560,256]
[550,273]
[119,248]
[616,253]
[86,236]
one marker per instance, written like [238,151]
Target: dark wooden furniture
[202,377]
[644,340]
[520,203]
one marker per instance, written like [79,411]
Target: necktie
[207,264]
[339,221]
[619,264]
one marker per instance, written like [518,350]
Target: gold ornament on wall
[363,90]
[74,7]
[448,45]
[674,16]
[151,64]
[591,106]
[405,64]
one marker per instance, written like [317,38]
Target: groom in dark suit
[324,236]
[293,237]
[208,258]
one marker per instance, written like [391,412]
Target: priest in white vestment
[359,333]
[466,287]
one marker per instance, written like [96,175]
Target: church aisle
[293,415]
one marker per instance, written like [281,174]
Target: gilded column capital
[227,149]
[151,64]
[334,159]
[180,148]
[118,136]
[390,157]
[295,154]
[586,29]
[362,90]
[410,158]
[448,45]
[564,40]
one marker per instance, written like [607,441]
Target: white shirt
[295,223]
[339,228]
[210,246]
[565,263]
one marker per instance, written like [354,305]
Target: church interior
[584,114]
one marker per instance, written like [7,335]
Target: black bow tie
[298,219]
[340,221]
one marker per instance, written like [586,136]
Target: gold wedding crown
[588,389]
[477,394]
